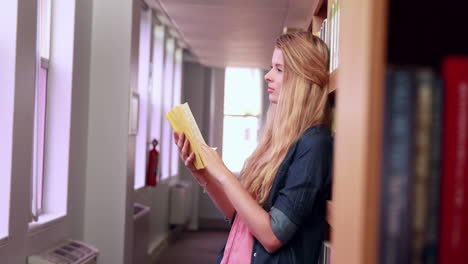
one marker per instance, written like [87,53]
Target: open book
[181,119]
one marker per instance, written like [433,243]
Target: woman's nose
[267,77]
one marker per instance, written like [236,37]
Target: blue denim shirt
[297,201]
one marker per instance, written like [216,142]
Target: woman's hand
[214,164]
[183,144]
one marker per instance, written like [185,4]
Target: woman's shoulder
[315,138]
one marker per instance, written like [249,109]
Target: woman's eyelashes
[277,68]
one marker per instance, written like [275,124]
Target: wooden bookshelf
[319,13]
[358,125]
[353,213]
[374,34]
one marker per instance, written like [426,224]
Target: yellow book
[181,119]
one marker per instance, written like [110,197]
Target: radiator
[71,251]
[180,203]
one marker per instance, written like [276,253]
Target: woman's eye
[279,70]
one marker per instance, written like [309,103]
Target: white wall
[157,198]
[205,95]
[79,117]
[110,150]
[19,82]
[214,116]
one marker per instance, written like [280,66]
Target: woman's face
[274,77]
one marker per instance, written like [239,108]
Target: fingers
[184,145]
[189,161]
[180,142]
[185,148]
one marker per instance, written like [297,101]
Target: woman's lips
[270,90]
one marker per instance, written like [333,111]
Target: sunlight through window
[242,110]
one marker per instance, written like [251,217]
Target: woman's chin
[272,99]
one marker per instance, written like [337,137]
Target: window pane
[166,141]
[6,136]
[39,135]
[157,84]
[44,30]
[242,91]
[142,148]
[177,100]
[239,140]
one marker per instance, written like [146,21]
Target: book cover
[181,119]
[396,181]
[430,250]
[454,219]
[422,158]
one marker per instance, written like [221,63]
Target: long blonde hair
[302,103]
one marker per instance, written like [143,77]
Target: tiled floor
[199,247]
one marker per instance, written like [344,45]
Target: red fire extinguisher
[151,177]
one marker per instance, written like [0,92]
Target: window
[242,109]
[165,93]
[37,188]
[143,91]
[6,133]
[177,100]
[156,91]
[8,47]
[168,103]
[157,81]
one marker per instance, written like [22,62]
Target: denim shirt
[297,201]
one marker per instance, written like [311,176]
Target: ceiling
[235,33]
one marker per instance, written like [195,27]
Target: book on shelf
[430,250]
[425,85]
[332,39]
[330,33]
[181,119]
[396,180]
[454,206]
[424,183]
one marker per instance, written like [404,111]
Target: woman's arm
[215,192]
[204,178]
[254,216]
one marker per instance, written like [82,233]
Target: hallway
[200,247]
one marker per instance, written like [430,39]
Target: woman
[277,207]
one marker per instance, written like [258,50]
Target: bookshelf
[319,13]
[322,9]
[358,137]
[373,35]
[353,212]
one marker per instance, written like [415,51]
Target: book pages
[181,119]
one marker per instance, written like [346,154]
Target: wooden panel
[318,7]
[319,12]
[358,132]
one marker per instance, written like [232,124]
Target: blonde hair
[302,103]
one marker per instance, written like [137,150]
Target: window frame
[168,97]
[40,108]
[144,89]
